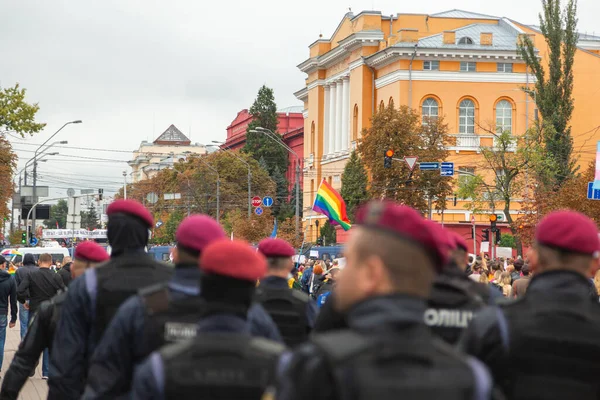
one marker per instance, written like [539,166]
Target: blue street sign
[258,210]
[429,166]
[159,223]
[593,194]
[447,169]
[267,201]
[33,241]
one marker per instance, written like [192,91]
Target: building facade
[460,65]
[169,148]
[290,124]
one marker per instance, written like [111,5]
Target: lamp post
[35,156]
[271,135]
[229,151]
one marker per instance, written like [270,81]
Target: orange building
[460,65]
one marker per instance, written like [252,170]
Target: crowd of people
[406,313]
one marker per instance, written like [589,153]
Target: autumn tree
[165,234]
[553,92]
[354,184]
[403,131]
[286,230]
[58,215]
[259,145]
[252,230]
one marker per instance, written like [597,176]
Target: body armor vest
[287,307]
[169,320]
[410,364]
[223,366]
[553,348]
[451,306]
[120,278]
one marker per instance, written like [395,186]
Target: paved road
[35,388]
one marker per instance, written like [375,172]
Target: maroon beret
[405,223]
[90,251]
[198,231]
[276,248]
[569,231]
[233,258]
[133,208]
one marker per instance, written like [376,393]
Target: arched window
[465,40]
[355,124]
[312,137]
[503,116]
[429,109]
[391,102]
[466,116]
[381,105]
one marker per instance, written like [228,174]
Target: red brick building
[290,126]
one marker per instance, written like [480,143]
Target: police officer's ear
[595,265]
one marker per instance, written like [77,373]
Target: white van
[16,255]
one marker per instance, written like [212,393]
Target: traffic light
[24,238]
[493,220]
[498,236]
[485,235]
[387,158]
[100,194]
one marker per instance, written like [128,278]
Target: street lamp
[35,156]
[229,151]
[213,169]
[271,135]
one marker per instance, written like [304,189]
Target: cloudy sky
[130,68]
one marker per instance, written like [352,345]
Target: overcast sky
[130,68]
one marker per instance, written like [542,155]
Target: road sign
[70,192]
[593,194]
[159,223]
[447,169]
[267,201]
[256,201]
[33,241]
[152,198]
[258,210]
[429,166]
[411,162]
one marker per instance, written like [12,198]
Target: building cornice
[302,94]
[349,44]
[453,76]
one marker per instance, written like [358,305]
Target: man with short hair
[392,257]
[8,295]
[39,286]
[65,270]
[516,275]
[25,269]
[43,325]
[519,287]
[544,345]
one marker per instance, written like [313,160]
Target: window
[466,117]
[465,40]
[355,124]
[468,66]
[312,137]
[430,109]
[504,67]
[431,65]
[503,117]
[500,178]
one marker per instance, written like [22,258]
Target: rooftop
[291,110]
[172,136]
[462,14]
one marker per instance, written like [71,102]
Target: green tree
[553,92]
[328,234]
[166,233]
[354,183]
[507,240]
[16,115]
[403,131]
[259,145]
[281,206]
[58,214]
[89,219]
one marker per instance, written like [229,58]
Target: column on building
[345,114]
[332,118]
[338,112]
[326,111]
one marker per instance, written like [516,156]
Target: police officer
[164,313]
[454,297]
[224,361]
[43,325]
[94,298]
[293,311]
[388,352]
[545,344]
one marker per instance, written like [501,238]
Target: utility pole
[297,197]
[125,184]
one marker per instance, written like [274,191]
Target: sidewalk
[35,388]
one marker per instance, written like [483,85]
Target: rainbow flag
[329,203]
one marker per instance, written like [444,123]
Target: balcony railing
[471,142]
